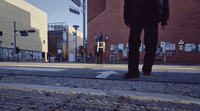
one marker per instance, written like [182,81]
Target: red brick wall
[184,23]
[95,7]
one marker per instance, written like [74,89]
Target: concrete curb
[134,94]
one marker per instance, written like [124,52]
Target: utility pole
[76,27]
[84,45]
[15,40]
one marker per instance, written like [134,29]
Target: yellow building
[26,17]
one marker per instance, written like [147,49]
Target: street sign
[77,2]
[181,42]
[73,10]
[181,47]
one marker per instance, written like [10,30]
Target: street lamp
[23,33]
[76,27]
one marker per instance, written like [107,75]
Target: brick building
[106,16]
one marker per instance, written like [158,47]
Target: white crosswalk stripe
[33,69]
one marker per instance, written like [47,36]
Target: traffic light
[17,50]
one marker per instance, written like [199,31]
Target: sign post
[78,3]
[181,43]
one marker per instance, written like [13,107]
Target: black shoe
[128,76]
[147,73]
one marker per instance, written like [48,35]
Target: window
[43,41]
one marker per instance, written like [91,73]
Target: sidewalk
[26,97]
[113,62]
[32,93]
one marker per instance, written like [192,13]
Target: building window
[43,41]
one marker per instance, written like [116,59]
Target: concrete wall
[26,16]
[183,24]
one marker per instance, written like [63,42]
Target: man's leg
[134,44]
[98,57]
[150,41]
[101,53]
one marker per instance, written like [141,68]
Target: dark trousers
[100,55]
[150,41]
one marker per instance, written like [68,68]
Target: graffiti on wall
[7,54]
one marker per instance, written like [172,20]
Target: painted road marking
[59,66]
[33,69]
[105,74]
[166,71]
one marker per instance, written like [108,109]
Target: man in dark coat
[139,15]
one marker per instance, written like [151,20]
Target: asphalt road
[161,73]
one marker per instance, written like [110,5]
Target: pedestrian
[100,50]
[139,15]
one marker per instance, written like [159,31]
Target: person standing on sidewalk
[139,15]
[100,50]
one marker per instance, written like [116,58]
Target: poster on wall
[169,53]
[159,51]
[142,47]
[121,46]
[190,47]
[127,45]
[173,47]
[124,53]
[167,45]
[199,47]
[112,58]
[112,47]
